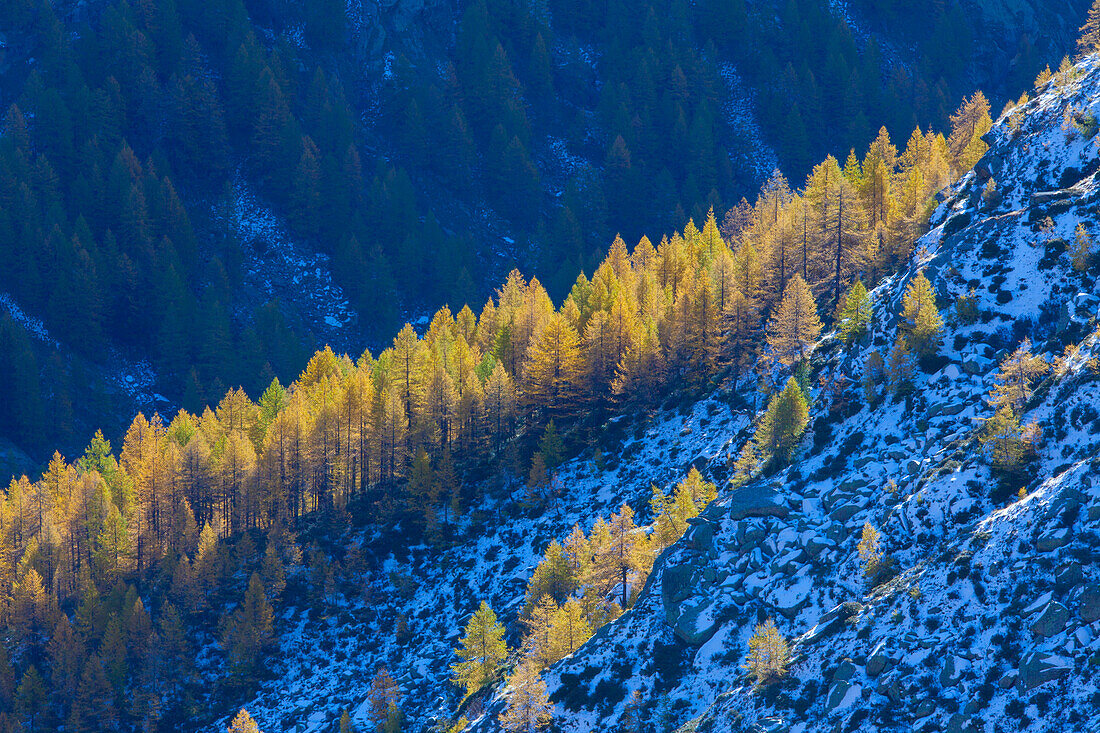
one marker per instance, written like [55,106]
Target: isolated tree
[794,326]
[1005,443]
[1081,253]
[482,651]
[855,314]
[784,422]
[920,319]
[243,723]
[529,708]
[870,550]
[769,654]
[900,366]
[631,720]
[1016,377]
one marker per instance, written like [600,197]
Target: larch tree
[93,708]
[784,422]
[901,365]
[968,124]
[702,492]
[482,651]
[243,723]
[1089,40]
[1081,252]
[855,314]
[795,325]
[920,319]
[870,550]
[248,632]
[539,642]
[623,548]
[554,576]
[384,697]
[529,709]
[769,653]
[569,627]
[553,370]
[1006,443]
[1016,378]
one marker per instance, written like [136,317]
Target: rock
[790,599]
[701,535]
[852,485]
[1009,680]
[832,622]
[958,723]
[893,690]
[844,513]
[988,166]
[955,223]
[1052,541]
[878,661]
[953,668]
[842,695]
[696,622]
[815,544]
[676,585]
[844,671]
[1051,621]
[756,501]
[924,708]
[1088,605]
[1040,667]
[912,467]
[1068,575]
[1042,198]
[770,724]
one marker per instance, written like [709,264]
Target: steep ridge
[991,622]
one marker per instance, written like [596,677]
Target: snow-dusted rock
[1040,667]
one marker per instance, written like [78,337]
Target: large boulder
[842,695]
[953,668]
[790,598]
[879,660]
[1051,621]
[1051,541]
[756,501]
[1040,667]
[676,585]
[697,621]
[831,622]
[1088,605]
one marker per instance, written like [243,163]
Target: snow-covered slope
[994,617]
[325,665]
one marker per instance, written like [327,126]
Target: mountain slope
[991,620]
[992,616]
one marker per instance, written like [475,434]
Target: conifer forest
[560,365]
